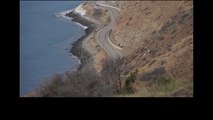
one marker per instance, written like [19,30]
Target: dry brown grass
[99,60]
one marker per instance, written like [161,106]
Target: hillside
[157,42]
[157,39]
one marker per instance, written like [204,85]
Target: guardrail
[112,43]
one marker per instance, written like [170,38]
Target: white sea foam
[63,14]
[78,10]
[81,11]
[79,61]
[85,27]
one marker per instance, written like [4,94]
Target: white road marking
[113,44]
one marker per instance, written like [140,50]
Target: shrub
[166,87]
[128,88]
[111,73]
[83,83]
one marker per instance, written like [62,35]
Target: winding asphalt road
[102,36]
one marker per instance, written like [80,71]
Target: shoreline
[77,48]
[77,51]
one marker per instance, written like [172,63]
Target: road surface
[102,36]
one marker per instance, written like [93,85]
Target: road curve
[102,36]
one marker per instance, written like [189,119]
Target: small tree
[111,73]
[128,83]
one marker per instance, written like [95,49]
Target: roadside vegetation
[85,82]
[82,83]
[163,87]
[128,84]
[88,83]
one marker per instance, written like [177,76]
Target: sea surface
[45,41]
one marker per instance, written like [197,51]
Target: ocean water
[45,41]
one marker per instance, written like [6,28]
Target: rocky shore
[77,49]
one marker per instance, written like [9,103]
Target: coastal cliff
[156,38]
